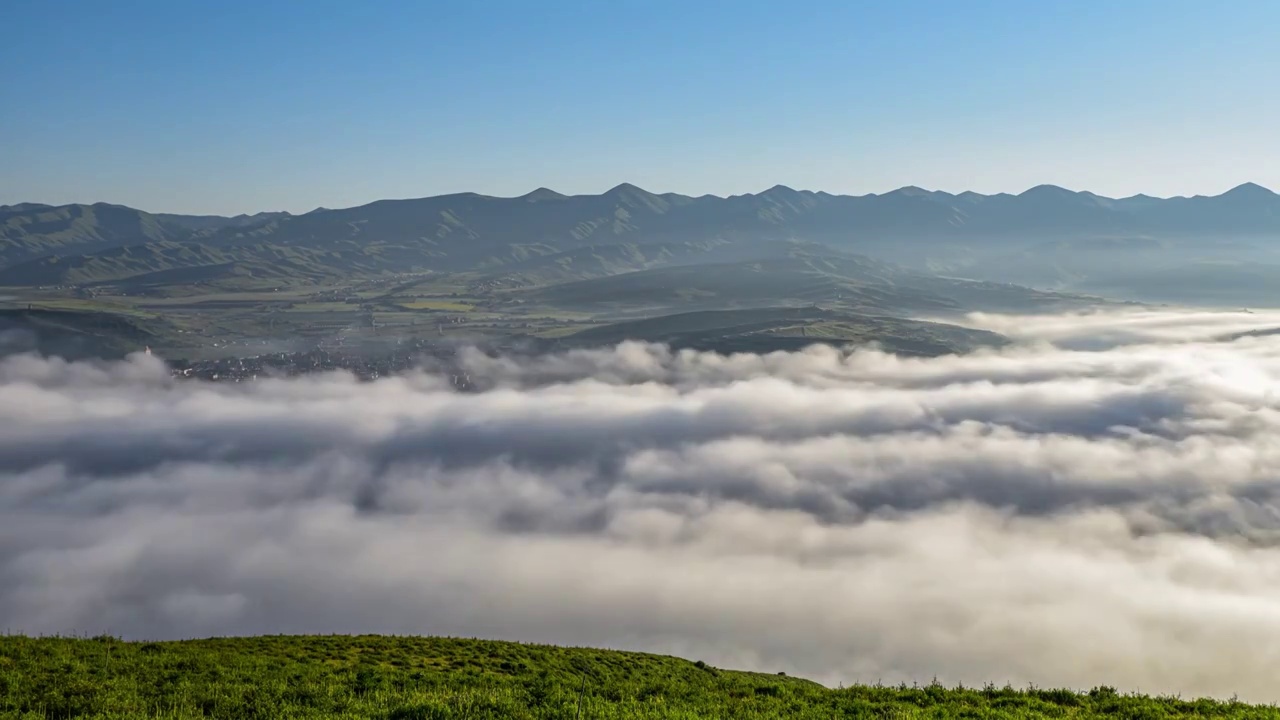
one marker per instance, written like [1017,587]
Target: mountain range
[1048,236]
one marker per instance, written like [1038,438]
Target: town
[366,367]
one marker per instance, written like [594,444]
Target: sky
[245,106]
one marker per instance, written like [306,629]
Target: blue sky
[238,106]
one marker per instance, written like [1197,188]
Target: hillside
[75,334]
[627,228]
[799,277]
[30,231]
[409,678]
[769,329]
[786,280]
[173,263]
[629,213]
[217,222]
[593,261]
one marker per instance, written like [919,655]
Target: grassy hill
[180,262]
[800,276]
[769,329]
[797,279]
[174,263]
[409,678]
[626,248]
[75,334]
[594,261]
[31,231]
[543,265]
[217,222]
[469,231]
[1047,237]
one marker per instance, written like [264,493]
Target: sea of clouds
[1097,504]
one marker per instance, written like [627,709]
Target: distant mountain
[177,263]
[217,222]
[593,261]
[545,236]
[30,230]
[800,276]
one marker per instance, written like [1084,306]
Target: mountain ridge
[461,232]
[545,192]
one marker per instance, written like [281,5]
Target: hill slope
[768,329]
[216,222]
[798,277]
[629,213]
[407,678]
[176,263]
[468,231]
[31,231]
[73,334]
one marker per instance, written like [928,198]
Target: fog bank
[1097,504]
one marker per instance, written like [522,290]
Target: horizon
[249,106]
[543,188]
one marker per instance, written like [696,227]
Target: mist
[1098,503]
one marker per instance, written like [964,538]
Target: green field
[79,305]
[409,678]
[770,329]
[325,307]
[436,305]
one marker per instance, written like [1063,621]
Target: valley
[546,270]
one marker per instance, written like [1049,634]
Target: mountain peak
[25,207]
[782,193]
[1249,189]
[630,196]
[542,193]
[909,191]
[1046,191]
[626,189]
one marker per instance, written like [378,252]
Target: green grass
[327,307]
[770,329]
[247,297]
[436,305]
[558,332]
[409,678]
[82,305]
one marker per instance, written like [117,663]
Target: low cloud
[1106,328]
[1058,512]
